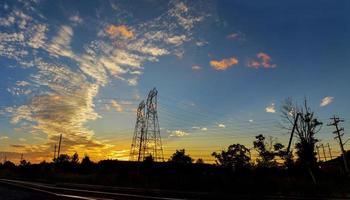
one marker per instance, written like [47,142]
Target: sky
[221,68]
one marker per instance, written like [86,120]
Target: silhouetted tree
[86,161]
[268,151]
[63,158]
[9,165]
[236,157]
[24,163]
[180,157]
[75,159]
[148,159]
[307,127]
[199,161]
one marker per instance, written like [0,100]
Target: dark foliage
[236,157]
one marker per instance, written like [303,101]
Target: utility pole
[324,152]
[59,146]
[337,131]
[329,150]
[292,133]
[318,153]
[54,153]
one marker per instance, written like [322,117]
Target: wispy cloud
[121,30]
[67,74]
[224,63]
[176,40]
[118,107]
[326,101]
[263,61]
[4,137]
[196,67]
[271,108]
[178,133]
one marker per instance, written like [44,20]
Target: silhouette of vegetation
[233,174]
[236,157]
[199,161]
[180,157]
[307,125]
[268,151]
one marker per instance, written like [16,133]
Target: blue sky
[222,69]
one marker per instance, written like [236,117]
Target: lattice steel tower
[147,140]
[139,133]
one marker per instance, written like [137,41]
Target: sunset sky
[221,69]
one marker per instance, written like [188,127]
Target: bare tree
[306,127]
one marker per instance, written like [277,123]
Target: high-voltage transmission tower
[147,141]
[139,134]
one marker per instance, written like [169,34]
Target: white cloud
[251,120]
[60,44]
[181,12]
[222,125]
[22,83]
[326,101]
[271,108]
[4,137]
[196,67]
[176,40]
[76,19]
[204,129]
[39,37]
[178,133]
[118,107]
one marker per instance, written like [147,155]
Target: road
[25,190]
[34,190]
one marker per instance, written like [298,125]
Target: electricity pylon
[153,140]
[147,141]
[139,133]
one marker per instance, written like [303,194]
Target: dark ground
[14,193]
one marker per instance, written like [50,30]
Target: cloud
[263,61]
[224,63]
[181,12]
[17,146]
[326,101]
[176,40]
[251,120]
[196,67]
[67,74]
[4,137]
[204,129]
[76,19]
[122,30]
[39,37]
[271,108]
[60,44]
[201,43]
[233,36]
[22,139]
[22,83]
[221,125]
[178,133]
[116,106]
